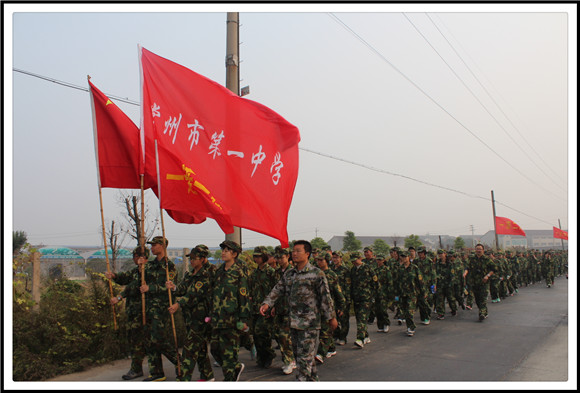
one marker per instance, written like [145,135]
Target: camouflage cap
[451,253]
[380,256]
[403,253]
[326,248]
[260,251]
[411,248]
[138,251]
[279,251]
[422,249]
[201,250]
[395,249]
[232,245]
[158,240]
[355,255]
[441,251]
[368,248]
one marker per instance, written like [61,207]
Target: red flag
[505,226]
[243,154]
[560,234]
[118,147]
[116,143]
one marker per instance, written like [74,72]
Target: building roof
[59,253]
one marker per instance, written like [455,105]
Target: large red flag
[560,234]
[505,226]
[118,150]
[242,155]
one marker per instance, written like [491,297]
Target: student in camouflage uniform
[133,306]
[309,302]
[385,294]
[411,287]
[458,286]
[429,272]
[446,278]
[230,311]
[478,269]
[548,268]
[422,303]
[369,259]
[514,263]
[395,265]
[504,274]
[326,347]
[281,317]
[157,302]
[494,280]
[262,280]
[193,293]
[344,281]
[363,282]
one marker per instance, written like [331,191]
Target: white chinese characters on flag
[239,155]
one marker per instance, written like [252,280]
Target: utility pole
[494,226]
[472,238]
[562,240]
[233,79]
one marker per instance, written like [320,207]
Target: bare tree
[116,239]
[132,205]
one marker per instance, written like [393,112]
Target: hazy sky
[439,105]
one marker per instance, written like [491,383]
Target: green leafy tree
[19,239]
[318,242]
[381,247]
[350,242]
[413,241]
[459,243]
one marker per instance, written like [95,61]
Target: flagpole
[494,224]
[165,258]
[562,240]
[101,201]
[142,242]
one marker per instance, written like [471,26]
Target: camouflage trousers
[382,313]
[159,342]
[343,324]
[480,294]
[225,346]
[408,305]
[442,294]
[494,288]
[262,333]
[195,350]
[424,308]
[282,335]
[136,333]
[325,340]
[361,312]
[304,345]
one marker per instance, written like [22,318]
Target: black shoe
[481,317]
[132,375]
[454,313]
[155,378]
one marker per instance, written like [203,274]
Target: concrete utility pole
[36,280]
[233,79]
[562,240]
[494,226]
[472,238]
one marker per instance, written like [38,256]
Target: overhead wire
[362,40]
[67,84]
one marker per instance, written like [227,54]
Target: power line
[478,100]
[66,84]
[346,27]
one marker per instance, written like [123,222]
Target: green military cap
[279,251]
[355,255]
[395,249]
[422,249]
[403,253]
[315,250]
[380,256]
[232,245]
[201,250]
[158,240]
[431,253]
[141,251]
[368,248]
[441,251]
[337,253]
[260,251]
[411,248]
[451,253]
[326,248]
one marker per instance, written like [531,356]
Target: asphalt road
[525,339]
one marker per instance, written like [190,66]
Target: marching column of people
[302,300]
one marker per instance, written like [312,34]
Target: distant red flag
[560,234]
[243,155]
[116,143]
[505,226]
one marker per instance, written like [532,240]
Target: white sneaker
[359,343]
[386,329]
[319,359]
[293,365]
[341,342]
[367,340]
[330,354]
[410,332]
[287,369]
[426,322]
[380,330]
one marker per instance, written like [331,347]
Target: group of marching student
[255,305]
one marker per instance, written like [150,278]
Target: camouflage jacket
[132,292]
[363,283]
[157,298]
[478,267]
[335,290]
[385,278]
[281,305]
[410,281]
[308,295]
[261,283]
[195,301]
[229,297]
[446,275]
[428,270]
[344,281]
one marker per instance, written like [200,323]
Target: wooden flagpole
[165,258]
[494,225]
[101,201]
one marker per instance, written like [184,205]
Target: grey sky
[389,103]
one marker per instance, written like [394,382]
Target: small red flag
[505,226]
[560,234]
[240,155]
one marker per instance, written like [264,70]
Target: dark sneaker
[454,313]
[155,378]
[440,316]
[481,317]
[132,375]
